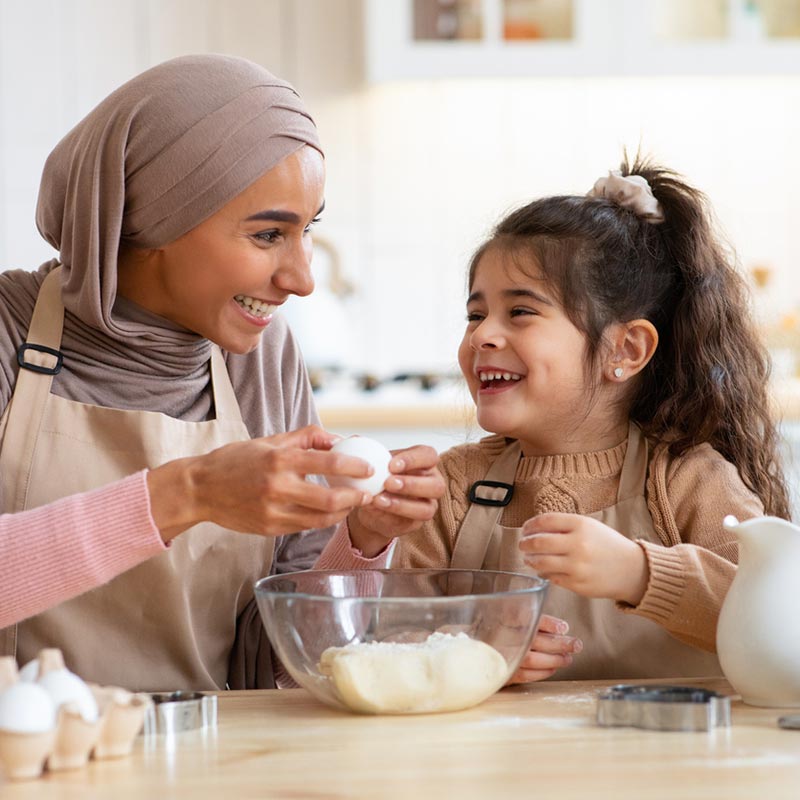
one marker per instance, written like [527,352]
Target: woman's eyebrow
[276,215]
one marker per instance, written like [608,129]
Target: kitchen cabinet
[424,39]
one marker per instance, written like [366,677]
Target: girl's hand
[408,500]
[257,486]
[585,556]
[550,650]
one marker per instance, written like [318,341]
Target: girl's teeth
[497,376]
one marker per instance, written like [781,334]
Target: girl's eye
[474,316]
[519,312]
[311,224]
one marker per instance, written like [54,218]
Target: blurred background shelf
[475,38]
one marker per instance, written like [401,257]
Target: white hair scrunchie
[632,192]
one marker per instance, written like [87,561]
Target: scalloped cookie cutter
[180,711]
[663,708]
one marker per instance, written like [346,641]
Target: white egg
[26,708]
[374,453]
[30,672]
[66,687]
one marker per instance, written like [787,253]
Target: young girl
[610,349]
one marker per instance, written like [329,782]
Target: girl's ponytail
[708,381]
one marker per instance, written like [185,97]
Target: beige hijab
[157,157]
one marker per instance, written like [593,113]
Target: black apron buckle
[489,494]
[39,348]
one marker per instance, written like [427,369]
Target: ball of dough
[442,673]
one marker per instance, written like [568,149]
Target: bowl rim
[540,585]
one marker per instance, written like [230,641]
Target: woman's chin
[239,345]
[242,349]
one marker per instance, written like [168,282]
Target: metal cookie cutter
[180,711]
[663,708]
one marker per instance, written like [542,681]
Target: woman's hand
[409,499]
[586,556]
[550,650]
[257,486]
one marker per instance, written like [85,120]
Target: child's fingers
[550,624]
[536,660]
[428,486]
[544,543]
[418,509]
[530,675]
[418,457]
[551,522]
[555,644]
[548,566]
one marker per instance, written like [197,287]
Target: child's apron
[170,622]
[616,645]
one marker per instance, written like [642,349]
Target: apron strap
[47,322]
[226,405]
[633,477]
[26,407]
[476,530]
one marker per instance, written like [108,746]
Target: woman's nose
[294,275]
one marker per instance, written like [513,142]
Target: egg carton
[51,719]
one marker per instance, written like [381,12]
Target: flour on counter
[442,673]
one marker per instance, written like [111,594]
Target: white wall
[440,176]
[59,58]
[417,171]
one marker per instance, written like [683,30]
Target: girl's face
[525,361]
[225,278]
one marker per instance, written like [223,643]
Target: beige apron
[169,623]
[616,645]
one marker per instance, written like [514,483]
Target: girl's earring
[618,372]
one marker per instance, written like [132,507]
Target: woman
[181,209]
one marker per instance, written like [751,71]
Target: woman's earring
[618,372]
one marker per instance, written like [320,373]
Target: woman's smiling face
[523,359]
[224,278]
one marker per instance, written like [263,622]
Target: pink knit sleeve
[340,554]
[55,552]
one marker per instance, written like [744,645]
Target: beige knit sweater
[687,498]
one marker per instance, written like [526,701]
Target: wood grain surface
[534,741]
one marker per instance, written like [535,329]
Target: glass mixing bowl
[401,641]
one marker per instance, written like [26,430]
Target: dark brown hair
[707,381]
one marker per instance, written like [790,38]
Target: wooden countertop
[535,741]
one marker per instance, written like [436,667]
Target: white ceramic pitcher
[758,636]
